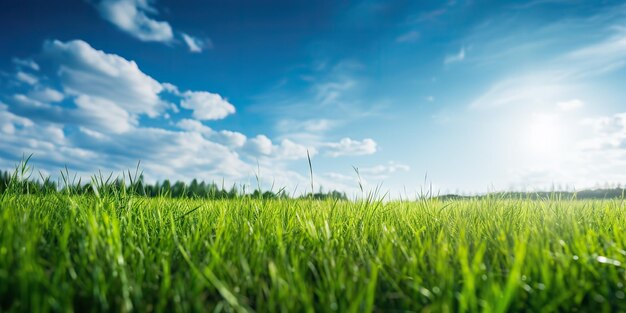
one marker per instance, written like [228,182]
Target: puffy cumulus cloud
[103,114]
[84,70]
[195,126]
[206,105]
[293,151]
[348,146]
[229,138]
[87,114]
[94,113]
[262,146]
[163,153]
[109,93]
[167,154]
[608,132]
[133,17]
[21,136]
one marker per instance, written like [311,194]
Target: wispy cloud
[27,63]
[555,80]
[428,16]
[535,3]
[195,44]
[385,169]
[411,36]
[26,78]
[570,105]
[457,57]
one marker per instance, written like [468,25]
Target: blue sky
[474,95]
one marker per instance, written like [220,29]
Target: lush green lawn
[122,253]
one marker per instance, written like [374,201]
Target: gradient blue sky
[478,95]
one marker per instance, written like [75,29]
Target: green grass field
[119,252]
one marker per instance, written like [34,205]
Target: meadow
[115,250]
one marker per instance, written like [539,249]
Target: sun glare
[545,136]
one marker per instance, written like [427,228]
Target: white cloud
[132,17]
[348,146]
[290,150]
[27,63]
[531,89]
[26,78]
[339,176]
[260,145]
[307,126]
[408,37]
[595,160]
[570,105]
[103,114]
[136,18]
[453,58]
[9,121]
[231,138]
[195,126]
[171,88]
[385,169]
[196,45]
[25,100]
[563,73]
[608,132]
[91,120]
[206,105]
[46,95]
[84,70]
[226,137]
[330,93]
[596,58]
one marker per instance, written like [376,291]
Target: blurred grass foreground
[117,250]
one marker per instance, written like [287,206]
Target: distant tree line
[602,193]
[12,181]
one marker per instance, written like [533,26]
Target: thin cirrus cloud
[558,77]
[26,78]
[137,18]
[196,45]
[408,37]
[26,63]
[454,58]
